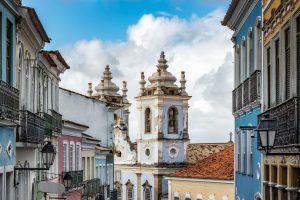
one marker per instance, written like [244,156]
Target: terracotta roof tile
[199,151]
[219,165]
[47,55]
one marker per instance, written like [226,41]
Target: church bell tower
[162,111]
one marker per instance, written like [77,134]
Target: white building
[98,112]
[37,80]
[162,138]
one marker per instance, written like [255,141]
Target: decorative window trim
[72,144]
[129,186]
[174,120]
[146,187]
[148,116]
[78,144]
[118,186]
[67,155]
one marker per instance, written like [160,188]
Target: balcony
[287,116]
[9,102]
[247,94]
[92,188]
[77,178]
[32,128]
[53,123]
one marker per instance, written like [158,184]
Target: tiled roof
[219,165]
[37,23]
[101,148]
[47,55]
[199,151]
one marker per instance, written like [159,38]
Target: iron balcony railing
[56,121]
[287,116]
[77,178]
[32,129]
[247,92]
[9,102]
[53,123]
[91,188]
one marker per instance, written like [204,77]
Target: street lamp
[267,129]
[48,156]
[67,180]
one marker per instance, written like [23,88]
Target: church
[162,137]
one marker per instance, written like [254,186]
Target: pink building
[69,157]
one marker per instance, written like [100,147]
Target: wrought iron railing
[57,121]
[91,188]
[53,123]
[287,116]
[9,102]
[77,178]
[247,92]
[32,128]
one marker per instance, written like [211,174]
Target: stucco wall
[182,187]
[90,112]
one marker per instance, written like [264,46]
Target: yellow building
[210,179]
[281,86]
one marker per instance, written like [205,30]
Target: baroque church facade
[162,137]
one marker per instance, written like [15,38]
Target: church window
[173,120]
[147,190]
[147,120]
[119,190]
[129,190]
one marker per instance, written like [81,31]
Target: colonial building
[9,97]
[281,164]
[162,137]
[69,158]
[104,106]
[37,80]
[211,178]
[244,18]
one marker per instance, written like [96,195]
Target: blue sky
[67,21]
[129,36]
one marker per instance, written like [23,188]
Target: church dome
[106,87]
[165,78]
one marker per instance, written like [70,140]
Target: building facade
[70,160]
[9,98]
[245,19]
[162,137]
[211,178]
[281,166]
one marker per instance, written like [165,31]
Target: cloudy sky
[129,36]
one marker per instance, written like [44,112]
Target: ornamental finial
[142,84]
[90,90]
[124,91]
[158,90]
[182,82]
[162,62]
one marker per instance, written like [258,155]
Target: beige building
[281,163]
[211,178]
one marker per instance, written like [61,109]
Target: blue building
[9,97]
[244,18]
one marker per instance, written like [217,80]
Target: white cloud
[200,46]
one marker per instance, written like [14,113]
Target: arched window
[211,197]
[119,190]
[173,120]
[129,190]
[188,196]
[147,190]
[199,196]
[147,120]
[176,196]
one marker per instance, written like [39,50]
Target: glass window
[65,148]
[147,120]
[287,63]
[78,150]
[71,168]
[173,120]
[9,52]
